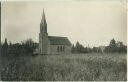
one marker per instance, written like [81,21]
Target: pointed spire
[43,15]
[43,24]
[43,20]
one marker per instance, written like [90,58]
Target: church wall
[54,50]
[68,49]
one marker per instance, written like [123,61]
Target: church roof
[55,40]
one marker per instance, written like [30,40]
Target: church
[52,44]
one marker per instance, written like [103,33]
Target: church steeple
[43,36]
[43,24]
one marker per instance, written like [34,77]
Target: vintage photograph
[83,40]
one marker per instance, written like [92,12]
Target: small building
[52,44]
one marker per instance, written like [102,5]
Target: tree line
[24,47]
[29,46]
[113,47]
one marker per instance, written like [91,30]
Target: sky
[92,23]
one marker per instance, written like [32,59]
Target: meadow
[73,67]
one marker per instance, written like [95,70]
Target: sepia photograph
[77,40]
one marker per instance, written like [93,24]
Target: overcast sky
[89,22]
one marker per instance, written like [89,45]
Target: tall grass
[73,67]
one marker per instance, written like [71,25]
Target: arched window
[58,48]
[61,49]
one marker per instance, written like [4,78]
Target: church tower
[43,36]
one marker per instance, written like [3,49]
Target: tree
[73,49]
[121,47]
[25,47]
[113,46]
[29,46]
[5,48]
[79,48]
[116,47]
[112,43]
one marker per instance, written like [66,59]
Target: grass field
[73,67]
